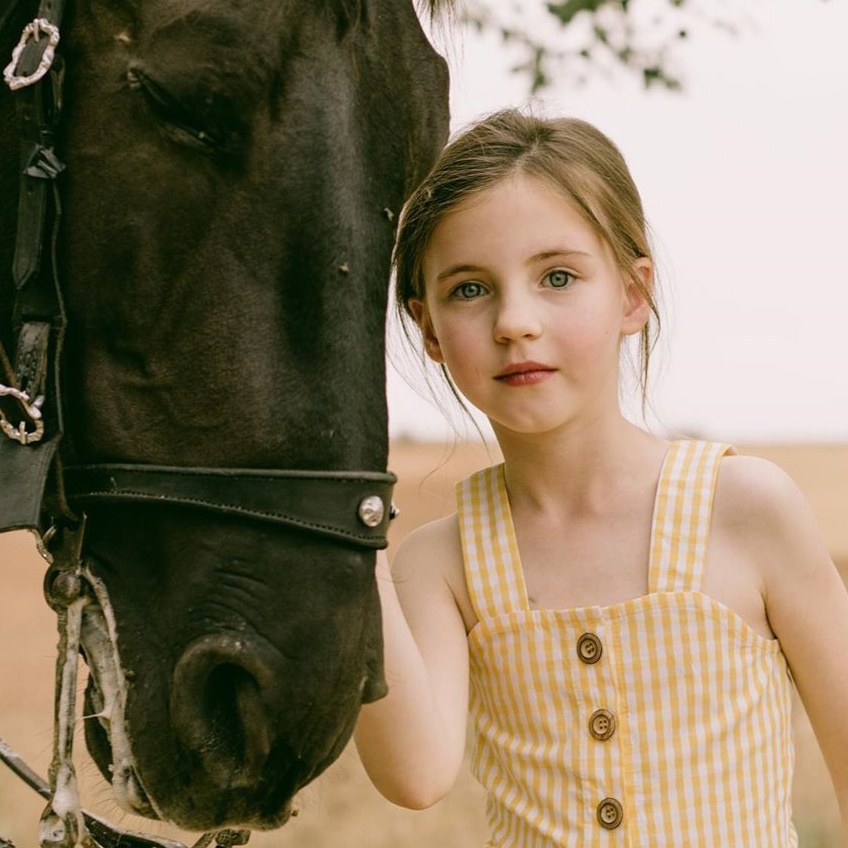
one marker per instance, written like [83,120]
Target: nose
[222,696]
[517,317]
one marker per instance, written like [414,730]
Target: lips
[524,374]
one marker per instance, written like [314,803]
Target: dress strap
[682,512]
[489,548]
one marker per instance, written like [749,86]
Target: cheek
[592,332]
[460,355]
[461,350]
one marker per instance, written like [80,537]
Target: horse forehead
[252,23]
[253,40]
[201,30]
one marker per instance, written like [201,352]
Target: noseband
[38,491]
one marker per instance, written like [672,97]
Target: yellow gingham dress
[663,720]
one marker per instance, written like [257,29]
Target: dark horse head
[233,173]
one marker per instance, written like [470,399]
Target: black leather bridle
[37,490]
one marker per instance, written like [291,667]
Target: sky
[744,179]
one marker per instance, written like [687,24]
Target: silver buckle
[31,409]
[32,31]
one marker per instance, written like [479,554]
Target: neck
[582,468]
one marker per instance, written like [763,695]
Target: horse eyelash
[167,109]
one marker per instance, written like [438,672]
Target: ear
[421,315]
[636,309]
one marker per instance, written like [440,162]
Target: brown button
[610,813]
[589,648]
[602,724]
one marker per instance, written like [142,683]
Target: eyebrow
[458,269]
[563,251]
[464,268]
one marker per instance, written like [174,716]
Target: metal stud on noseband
[371,511]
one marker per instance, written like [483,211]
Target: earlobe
[637,309]
[421,316]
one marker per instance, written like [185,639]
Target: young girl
[625,617]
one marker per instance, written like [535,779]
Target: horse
[228,174]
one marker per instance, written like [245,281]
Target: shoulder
[750,487]
[430,559]
[755,494]
[762,508]
[426,546]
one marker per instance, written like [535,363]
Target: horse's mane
[437,7]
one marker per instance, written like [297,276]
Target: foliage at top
[583,38]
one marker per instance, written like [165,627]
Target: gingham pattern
[702,751]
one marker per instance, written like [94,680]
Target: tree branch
[600,37]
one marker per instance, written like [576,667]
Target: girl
[626,617]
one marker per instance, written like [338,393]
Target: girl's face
[527,308]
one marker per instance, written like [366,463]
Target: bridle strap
[351,506]
[30,407]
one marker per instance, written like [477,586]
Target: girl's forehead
[517,184]
[520,210]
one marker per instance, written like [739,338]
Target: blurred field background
[341,808]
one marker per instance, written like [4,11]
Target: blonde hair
[572,156]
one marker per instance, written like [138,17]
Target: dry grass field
[341,808]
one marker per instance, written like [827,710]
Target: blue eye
[468,291]
[559,279]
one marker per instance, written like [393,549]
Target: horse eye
[177,118]
[155,94]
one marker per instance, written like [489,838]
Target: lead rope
[62,824]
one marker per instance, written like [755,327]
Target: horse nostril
[232,702]
[218,707]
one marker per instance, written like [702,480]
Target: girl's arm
[412,741]
[806,602]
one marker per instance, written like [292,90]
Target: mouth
[524,374]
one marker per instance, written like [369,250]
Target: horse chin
[127,790]
[131,796]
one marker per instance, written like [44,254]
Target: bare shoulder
[755,485]
[427,547]
[756,493]
[760,505]
[431,556]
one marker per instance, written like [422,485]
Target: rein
[41,493]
